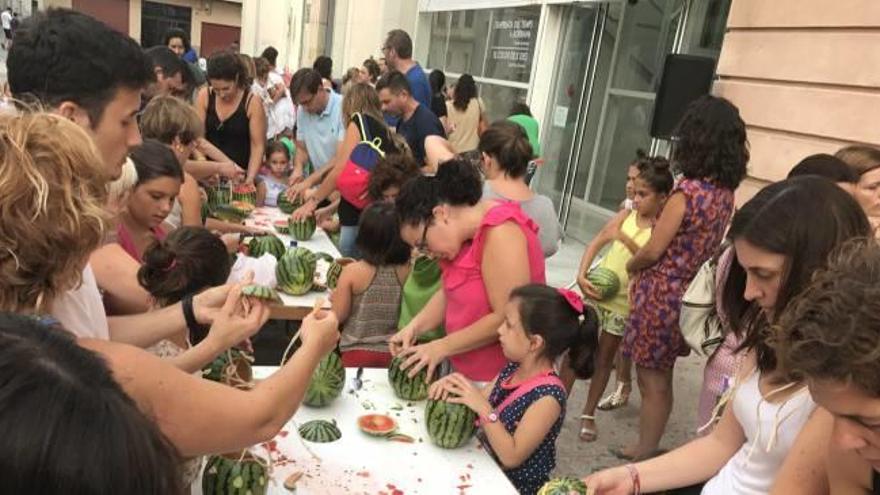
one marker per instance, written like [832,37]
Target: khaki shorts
[611,322]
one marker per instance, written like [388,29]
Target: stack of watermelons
[327,381]
[449,425]
[234,475]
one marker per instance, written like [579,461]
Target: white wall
[273,22]
[361,26]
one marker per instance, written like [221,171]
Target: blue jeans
[347,236]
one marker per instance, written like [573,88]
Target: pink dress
[466,298]
[124,239]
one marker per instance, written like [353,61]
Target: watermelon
[606,282]
[263,244]
[378,425]
[287,206]
[320,431]
[565,485]
[227,475]
[281,226]
[335,271]
[304,229]
[229,213]
[246,193]
[295,271]
[261,292]
[449,425]
[415,388]
[327,381]
[218,195]
[232,367]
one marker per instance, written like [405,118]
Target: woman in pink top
[486,249]
[159,177]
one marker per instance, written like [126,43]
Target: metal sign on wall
[513,41]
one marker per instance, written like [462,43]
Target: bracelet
[634,475]
[197,331]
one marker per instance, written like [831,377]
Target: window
[156,18]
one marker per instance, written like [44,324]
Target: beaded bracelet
[634,474]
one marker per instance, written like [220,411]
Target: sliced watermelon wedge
[378,425]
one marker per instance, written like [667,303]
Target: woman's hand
[232,325]
[463,391]
[428,355]
[613,481]
[305,211]
[229,170]
[296,190]
[320,329]
[402,340]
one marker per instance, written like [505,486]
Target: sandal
[616,400]
[588,434]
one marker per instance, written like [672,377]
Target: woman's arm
[803,470]
[257,123]
[204,417]
[190,202]
[328,184]
[664,231]
[202,105]
[116,275]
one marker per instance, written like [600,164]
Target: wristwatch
[492,417]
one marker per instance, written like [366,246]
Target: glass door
[570,97]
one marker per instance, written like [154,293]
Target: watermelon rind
[327,381]
[302,230]
[450,426]
[406,388]
[227,475]
[565,485]
[261,292]
[320,431]
[263,244]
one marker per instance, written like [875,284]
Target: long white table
[361,464]
[294,307]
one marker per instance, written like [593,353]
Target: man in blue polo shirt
[319,127]
[417,121]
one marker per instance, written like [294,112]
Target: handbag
[698,320]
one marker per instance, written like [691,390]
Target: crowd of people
[115,284]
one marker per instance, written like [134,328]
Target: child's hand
[437,390]
[587,288]
[614,481]
[465,392]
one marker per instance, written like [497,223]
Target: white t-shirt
[81,310]
[6,20]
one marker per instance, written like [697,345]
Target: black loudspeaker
[685,78]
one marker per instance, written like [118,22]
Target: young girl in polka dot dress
[522,410]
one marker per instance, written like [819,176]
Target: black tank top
[876,482]
[233,135]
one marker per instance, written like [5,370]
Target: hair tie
[572,299]
[170,266]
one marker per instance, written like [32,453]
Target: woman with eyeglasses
[486,249]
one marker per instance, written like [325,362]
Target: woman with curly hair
[830,337]
[711,154]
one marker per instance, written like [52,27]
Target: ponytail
[561,319]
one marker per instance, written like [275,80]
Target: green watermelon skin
[320,431]
[263,244]
[261,292]
[285,205]
[327,381]
[295,271]
[565,485]
[247,194]
[225,476]
[302,230]
[450,426]
[218,195]
[606,282]
[406,388]
[333,274]
[214,370]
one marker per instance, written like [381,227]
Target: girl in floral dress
[711,155]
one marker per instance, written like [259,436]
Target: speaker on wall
[685,78]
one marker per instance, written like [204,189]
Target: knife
[358,383]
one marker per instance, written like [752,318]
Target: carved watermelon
[232,368]
[246,193]
[228,475]
[295,271]
[327,381]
